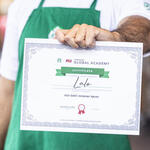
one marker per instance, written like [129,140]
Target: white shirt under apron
[112,11]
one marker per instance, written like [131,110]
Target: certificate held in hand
[81,90]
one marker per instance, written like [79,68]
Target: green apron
[39,25]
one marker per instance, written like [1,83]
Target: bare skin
[130,29]
[6,97]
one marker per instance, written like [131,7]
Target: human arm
[6,98]
[130,29]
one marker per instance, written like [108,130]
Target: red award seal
[81,109]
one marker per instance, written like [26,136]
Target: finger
[82,44]
[60,35]
[80,36]
[71,42]
[64,31]
[90,37]
[70,37]
[93,44]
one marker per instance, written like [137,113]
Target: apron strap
[93,5]
[41,3]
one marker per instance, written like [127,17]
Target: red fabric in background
[3,19]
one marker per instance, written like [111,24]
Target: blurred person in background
[81,23]
[146,82]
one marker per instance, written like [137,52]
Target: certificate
[94,90]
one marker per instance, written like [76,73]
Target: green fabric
[38,26]
[77,70]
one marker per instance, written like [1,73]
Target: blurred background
[4,4]
[141,142]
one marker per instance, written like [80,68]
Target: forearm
[135,29]
[6,96]
[130,29]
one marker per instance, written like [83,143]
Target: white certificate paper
[81,90]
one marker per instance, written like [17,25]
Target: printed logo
[59,60]
[147,5]
[81,109]
[68,60]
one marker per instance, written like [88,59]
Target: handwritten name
[81,84]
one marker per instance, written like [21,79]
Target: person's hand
[84,36]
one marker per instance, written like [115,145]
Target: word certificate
[94,90]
